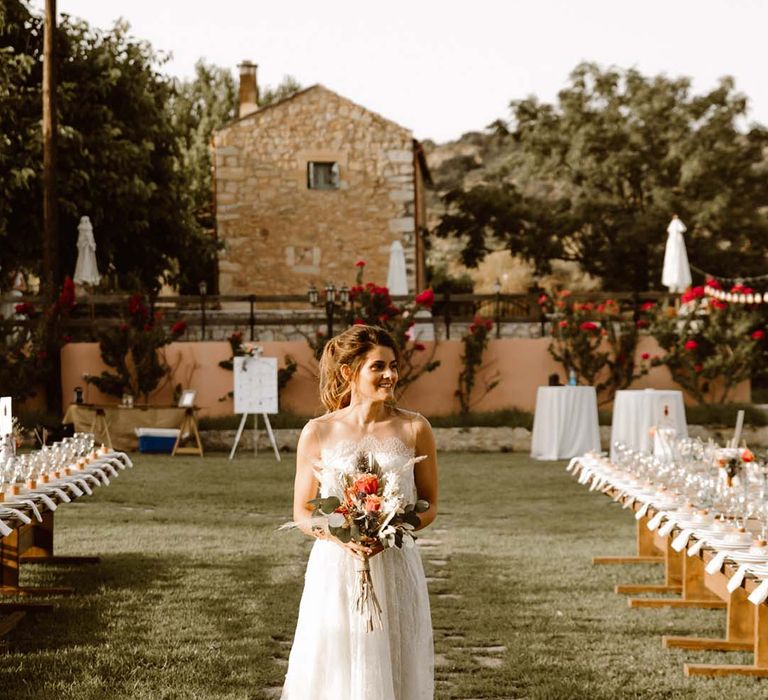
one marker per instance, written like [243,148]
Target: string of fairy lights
[740,290]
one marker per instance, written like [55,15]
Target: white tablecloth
[635,412]
[565,422]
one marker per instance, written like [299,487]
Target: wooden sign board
[6,416]
[255,384]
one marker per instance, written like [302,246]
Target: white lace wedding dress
[333,656]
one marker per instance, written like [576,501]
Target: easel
[256,434]
[100,424]
[188,425]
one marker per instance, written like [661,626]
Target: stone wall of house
[279,235]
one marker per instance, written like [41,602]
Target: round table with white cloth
[565,423]
[636,411]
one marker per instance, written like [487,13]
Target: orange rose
[367,483]
[372,504]
[747,456]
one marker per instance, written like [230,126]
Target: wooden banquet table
[121,422]
[565,423]
[27,532]
[696,574]
[636,411]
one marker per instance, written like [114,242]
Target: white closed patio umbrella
[397,280]
[86,268]
[676,274]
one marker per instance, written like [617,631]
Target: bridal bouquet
[368,505]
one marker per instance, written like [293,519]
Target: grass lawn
[196,594]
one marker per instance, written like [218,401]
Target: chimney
[249,88]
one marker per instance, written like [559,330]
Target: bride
[333,656]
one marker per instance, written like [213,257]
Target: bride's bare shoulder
[325,425]
[415,422]
[411,416]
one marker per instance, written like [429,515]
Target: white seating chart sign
[255,385]
[6,416]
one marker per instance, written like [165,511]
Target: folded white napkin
[84,484]
[666,528]
[679,543]
[62,494]
[760,593]
[572,463]
[695,548]
[21,516]
[643,510]
[4,529]
[735,581]
[655,521]
[36,512]
[716,563]
[50,504]
[73,487]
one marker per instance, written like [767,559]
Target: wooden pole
[50,276]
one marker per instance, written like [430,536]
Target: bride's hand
[359,550]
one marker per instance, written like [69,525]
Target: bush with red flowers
[475,342]
[714,345]
[596,340]
[134,350]
[29,350]
[371,304]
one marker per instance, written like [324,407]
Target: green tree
[119,155]
[285,88]
[199,107]
[596,177]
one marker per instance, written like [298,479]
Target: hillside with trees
[593,180]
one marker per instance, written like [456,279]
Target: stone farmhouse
[307,186]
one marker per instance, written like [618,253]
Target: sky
[443,67]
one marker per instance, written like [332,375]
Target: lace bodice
[391,453]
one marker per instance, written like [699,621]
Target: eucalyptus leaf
[421,506]
[330,504]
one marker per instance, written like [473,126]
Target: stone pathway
[449,641]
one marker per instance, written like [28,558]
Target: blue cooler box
[157,439]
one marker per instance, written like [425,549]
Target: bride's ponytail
[348,348]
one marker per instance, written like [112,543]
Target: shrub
[713,345]
[133,351]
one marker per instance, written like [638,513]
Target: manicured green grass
[196,594]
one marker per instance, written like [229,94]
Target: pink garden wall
[522,365]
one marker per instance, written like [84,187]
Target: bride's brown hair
[348,348]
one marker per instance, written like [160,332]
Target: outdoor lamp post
[330,303]
[497,291]
[203,289]
[312,295]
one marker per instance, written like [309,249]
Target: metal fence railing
[215,316]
